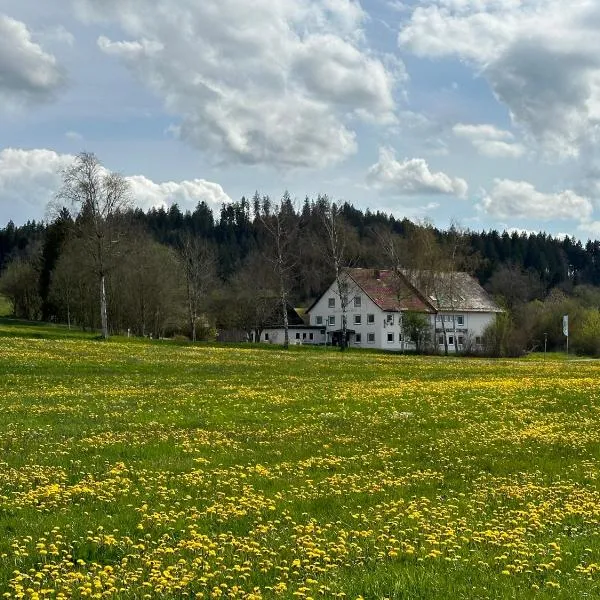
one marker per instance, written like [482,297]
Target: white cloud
[520,200]
[540,57]
[27,73]
[411,177]
[497,149]
[590,228]
[186,194]
[489,140]
[478,132]
[276,82]
[29,180]
[57,34]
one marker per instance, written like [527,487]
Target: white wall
[473,327]
[296,336]
[379,327]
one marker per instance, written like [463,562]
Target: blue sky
[481,112]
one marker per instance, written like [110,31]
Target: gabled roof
[389,291]
[457,291]
[421,291]
[275,319]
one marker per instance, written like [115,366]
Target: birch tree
[337,254]
[99,198]
[281,225]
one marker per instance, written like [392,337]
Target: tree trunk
[454,332]
[191,312]
[103,313]
[286,328]
[68,312]
[444,334]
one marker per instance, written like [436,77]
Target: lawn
[136,469]
[5,307]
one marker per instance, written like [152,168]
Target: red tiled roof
[389,291]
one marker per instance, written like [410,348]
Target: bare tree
[254,289]
[147,287]
[99,199]
[281,224]
[424,266]
[338,253]
[199,267]
[19,283]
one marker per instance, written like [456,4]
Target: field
[5,307]
[134,469]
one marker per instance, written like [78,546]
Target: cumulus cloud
[541,58]
[477,132]
[186,194]
[29,180]
[490,141]
[590,228]
[276,82]
[27,73]
[520,200]
[411,177]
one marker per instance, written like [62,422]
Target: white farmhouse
[299,332]
[457,308]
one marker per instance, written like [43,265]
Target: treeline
[166,272]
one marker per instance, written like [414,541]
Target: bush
[586,336]
[502,339]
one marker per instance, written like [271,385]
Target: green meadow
[149,469]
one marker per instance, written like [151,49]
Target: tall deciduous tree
[19,283]
[281,225]
[199,264]
[99,199]
[337,253]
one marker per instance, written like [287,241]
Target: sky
[482,113]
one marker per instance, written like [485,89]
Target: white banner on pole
[566,325]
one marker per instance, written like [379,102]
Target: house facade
[456,308]
[299,331]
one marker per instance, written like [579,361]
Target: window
[390,338]
[461,340]
[297,336]
[319,320]
[400,337]
[460,319]
[310,336]
[478,340]
[358,338]
[304,336]
[451,340]
[357,319]
[371,338]
[331,320]
[357,301]
[266,337]
[390,319]
[331,302]
[441,340]
[370,318]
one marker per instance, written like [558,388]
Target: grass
[134,469]
[5,307]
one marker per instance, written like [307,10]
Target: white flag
[566,325]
